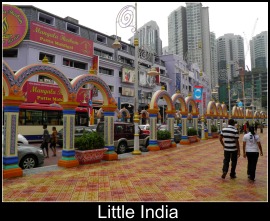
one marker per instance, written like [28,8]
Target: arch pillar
[108,112]
[68,153]
[153,145]
[10,147]
[209,127]
[171,127]
[195,122]
[184,139]
[215,122]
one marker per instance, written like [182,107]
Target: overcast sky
[224,17]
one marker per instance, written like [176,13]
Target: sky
[224,17]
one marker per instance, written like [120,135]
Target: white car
[22,139]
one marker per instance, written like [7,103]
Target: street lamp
[125,19]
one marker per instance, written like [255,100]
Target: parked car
[22,139]
[124,136]
[177,132]
[78,132]
[93,127]
[28,156]
[145,128]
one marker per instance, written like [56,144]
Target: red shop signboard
[60,39]
[42,93]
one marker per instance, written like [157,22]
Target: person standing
[231,148]
[251,147]
[46,140]
[53,141]
[224,124]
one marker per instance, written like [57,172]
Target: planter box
[214,134]
[193,139]
[164,144]
[90,156]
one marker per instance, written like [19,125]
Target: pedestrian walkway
[182,174]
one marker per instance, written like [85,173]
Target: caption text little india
[120,212]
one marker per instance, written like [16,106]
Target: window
[73,28]
[106,71]
[111,88]
[45,79]
[75,64]
[101,39]
[125,60]
[46,19]
[40,117]
[120,74]
[120,90]
[124,47]
[103,54]
[51,58]
[10,53]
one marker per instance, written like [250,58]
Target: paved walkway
[182,174]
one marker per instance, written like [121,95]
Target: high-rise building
[214,67]
[177,32]
[258,51]
[230,56]
[189,35]
[149,36]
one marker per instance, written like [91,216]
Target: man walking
[231,148]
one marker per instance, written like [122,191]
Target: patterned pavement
[187,173]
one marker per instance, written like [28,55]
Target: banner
[128,75]
[60,39]
[158,76]
[197,93]
[95,63]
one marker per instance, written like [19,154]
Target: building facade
[259,51]
[149,35]
[230,57]
[72,48]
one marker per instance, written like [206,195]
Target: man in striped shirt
[229,139]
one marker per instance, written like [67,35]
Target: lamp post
[223,75]
[125,19]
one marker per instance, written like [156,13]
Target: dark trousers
[252,163]
[230,155]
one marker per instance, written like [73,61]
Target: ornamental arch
[211,114]
[153,114]
[13,97]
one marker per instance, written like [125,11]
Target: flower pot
[214,134]
[90,156]
[193,139]
[164,144]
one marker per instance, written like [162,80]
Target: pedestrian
[53,141]
[261,126]
[224,124]
[251,147]
[256,126]
[229,139]
[46,140]
[236,126]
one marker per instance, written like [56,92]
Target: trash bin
[206,133]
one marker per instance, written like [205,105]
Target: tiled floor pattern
[184,173]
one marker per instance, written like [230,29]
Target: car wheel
[122,147]
[28,162]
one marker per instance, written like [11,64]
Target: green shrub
[214,128]
[163,135]
[89,141]
[191,131]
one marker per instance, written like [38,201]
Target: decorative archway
[13,97]
[219,115]
[153,111]
[126,116]
[225,112]
[211,112]
[144,114]
[184,112]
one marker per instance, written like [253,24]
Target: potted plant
[192,135]
[89,148]
[164,139]
[214,131]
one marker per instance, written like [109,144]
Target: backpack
[47,136]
